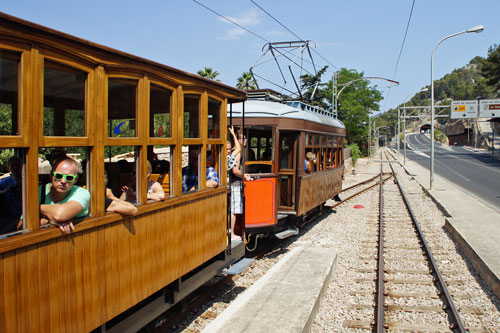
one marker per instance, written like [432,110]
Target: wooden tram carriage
[279,134]
[62,91]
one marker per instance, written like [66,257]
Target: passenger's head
[149,167]
[54,155]
[242,139]
[310,156]
[15,167]
[64,175]
[193,159]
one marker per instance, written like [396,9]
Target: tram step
[240,266]
[287,233]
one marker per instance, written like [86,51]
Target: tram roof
[238,94]
[291,109]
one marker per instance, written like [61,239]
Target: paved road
[477,172]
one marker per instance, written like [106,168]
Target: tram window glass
[48,155]
[286,151]
[190,168]
[122,105]
[63,100]
[330,141]
[308,139]
[9,96]
[11,190]
[286,190]
[120,163]
[191,116]
[159,108]
[214,110]
[316,140]
[160,158]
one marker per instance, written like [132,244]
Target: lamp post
[478,28]
[404,122]
[345,85]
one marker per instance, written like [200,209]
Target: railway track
[399,283]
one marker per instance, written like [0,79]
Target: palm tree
[246,81]
[208,73]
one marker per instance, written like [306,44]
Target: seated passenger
[61,202]
[310,162]
[11,201]
[190,174]
[114,205]
[155,190]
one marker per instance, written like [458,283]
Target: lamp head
[477,28]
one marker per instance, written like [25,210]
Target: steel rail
[449,306]
[363,182]
[379,311]
[358,193]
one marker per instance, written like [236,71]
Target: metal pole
[474,29]
[369,136]
[404,133]
[399,128]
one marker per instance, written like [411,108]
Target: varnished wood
[317,188]
[53,282]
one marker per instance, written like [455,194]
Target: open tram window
[214,111]
[120,163]
[63,171]
[11,190]
[160,158]
[160,103]
[63,100]
[287,143]
[9,94]
[191,116]
[122,105]
[192,174]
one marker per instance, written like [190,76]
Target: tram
[113,113]
[280,134]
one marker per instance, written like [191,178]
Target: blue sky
[364,35]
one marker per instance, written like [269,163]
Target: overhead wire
[400,52]
[293,33]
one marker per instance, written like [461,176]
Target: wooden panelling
[317,188]
[78,282]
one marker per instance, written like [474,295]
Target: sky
[363,35]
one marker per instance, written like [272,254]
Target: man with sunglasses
[61,201]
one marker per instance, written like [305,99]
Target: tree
[208,73]
[490,68]
[246,81]
[316,92]
[355,103]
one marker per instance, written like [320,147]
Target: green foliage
[312,84]
[5,154]
[490,67]
[208,73]
[355,152]
[246,81]
[439,136]
[5,119]
[354,104]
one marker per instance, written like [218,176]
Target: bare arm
[157,192]
[237,146]
[61,212]
[122,207]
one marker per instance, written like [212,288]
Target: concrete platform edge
[242,299]
[314,311]
[479,265]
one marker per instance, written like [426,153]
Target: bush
[355,152]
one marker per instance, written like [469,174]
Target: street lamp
[478,28]
[404,122]
[336,96]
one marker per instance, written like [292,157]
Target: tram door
[287,170]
